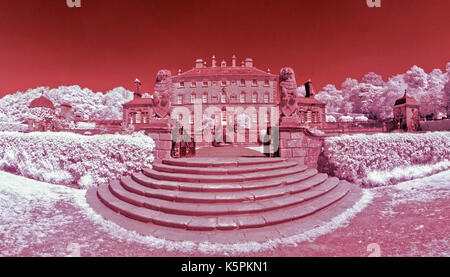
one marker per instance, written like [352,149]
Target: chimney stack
[248,62]
[137,92]
[233,61]
[213,62]
[199,63]
[309,89]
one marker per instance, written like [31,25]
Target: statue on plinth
[163,91]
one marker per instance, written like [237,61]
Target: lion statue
[288,91]
[163,91]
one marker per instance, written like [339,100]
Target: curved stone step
[220,162]
[220,187]
[244,177]
[200,209]
[228,222]
[301,184]
[161,167]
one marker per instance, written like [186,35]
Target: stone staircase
[225,196]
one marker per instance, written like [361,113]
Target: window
[266,97]
[242,98]
[242,83]
[205,98]
[144,118]
[180,99]
[193,98]
[255,97]
[224,116]
[131,118]
[266,83]
[254,83]
[223,98]
[191,119]
[193,84]
[205,83]
[254,117]
[181,84]
[267,119]
[223,83]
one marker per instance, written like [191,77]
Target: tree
[447,91]
[332,97]
[347,91]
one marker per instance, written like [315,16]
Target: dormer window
[193,84]
[181,84]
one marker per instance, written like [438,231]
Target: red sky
[108,43]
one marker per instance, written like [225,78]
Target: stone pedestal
[299,144]
[160,132]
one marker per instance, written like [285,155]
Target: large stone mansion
[221,85]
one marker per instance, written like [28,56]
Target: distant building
[407,114]
[310,110]
[43,113]
[139,111]
[66,112]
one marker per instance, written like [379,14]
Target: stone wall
[301,145]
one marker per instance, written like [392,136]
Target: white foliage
[361,118]
[91,105]
[331,118]
[346,118]
[67,158]
[332,97]
[375,97]
[399,174]
[355,157]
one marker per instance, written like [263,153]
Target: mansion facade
[223,85]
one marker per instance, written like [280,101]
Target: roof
[406,100]
[66,105]
[41,102]
[309,100]
[139,102]
[224,71]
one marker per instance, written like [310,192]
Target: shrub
[67,158]
[355,157]
[346,119]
